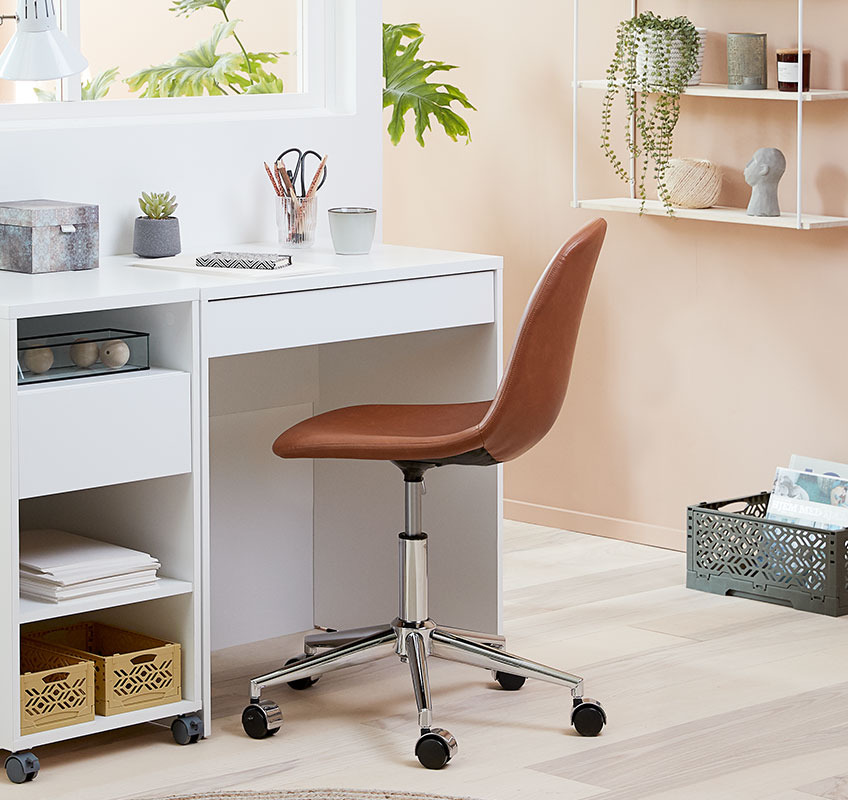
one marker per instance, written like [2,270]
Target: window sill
[170,111]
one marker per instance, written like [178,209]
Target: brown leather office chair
[417,438]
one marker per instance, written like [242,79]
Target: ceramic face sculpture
[763,174]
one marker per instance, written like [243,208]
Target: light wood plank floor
[708,697]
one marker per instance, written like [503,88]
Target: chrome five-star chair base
[414,637]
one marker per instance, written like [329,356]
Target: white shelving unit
[115,457]
[632,205]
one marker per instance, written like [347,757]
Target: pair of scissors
[299,172]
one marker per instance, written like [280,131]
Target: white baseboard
[610,527]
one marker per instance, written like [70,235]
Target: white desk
[177,460]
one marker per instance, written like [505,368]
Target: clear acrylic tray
[67,356]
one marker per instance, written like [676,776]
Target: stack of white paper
[57,565]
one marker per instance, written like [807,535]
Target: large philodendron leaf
[408,87]
[194,72]
[188,7]
[98,87]
[266,84]
[95,89]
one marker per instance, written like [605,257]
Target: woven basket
[693,182]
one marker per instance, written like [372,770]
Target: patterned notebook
[226,260]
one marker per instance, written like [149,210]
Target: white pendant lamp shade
[39,51]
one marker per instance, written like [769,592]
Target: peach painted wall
[709,353]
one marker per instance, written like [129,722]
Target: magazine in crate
[810,492]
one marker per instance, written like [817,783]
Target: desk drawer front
[78,435]
[298,319]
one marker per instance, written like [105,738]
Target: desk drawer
[102,431]
[298,319]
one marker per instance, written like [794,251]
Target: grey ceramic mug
[352,230]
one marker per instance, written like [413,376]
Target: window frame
[315,61]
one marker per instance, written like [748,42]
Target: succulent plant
[158,205]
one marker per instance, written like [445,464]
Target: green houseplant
[95,89]
[653,62]
[204,70]
[408,87]
[157,232]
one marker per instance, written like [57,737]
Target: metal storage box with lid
[39,236]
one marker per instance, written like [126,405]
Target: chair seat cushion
[387,432]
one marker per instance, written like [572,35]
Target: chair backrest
[533,387]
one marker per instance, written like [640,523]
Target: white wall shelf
[797,219]
[737,216]
[36,610]
[720,91]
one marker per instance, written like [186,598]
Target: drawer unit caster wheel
[303,683]
[261,719]
[588,716]
[22,767]
[510,683]
[435,748]
[187,729]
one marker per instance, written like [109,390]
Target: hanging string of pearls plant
[654,60]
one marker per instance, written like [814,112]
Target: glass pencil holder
[296,220]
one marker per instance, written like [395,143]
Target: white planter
[645,64]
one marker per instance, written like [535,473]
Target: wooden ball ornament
[115,353]
[84,353]
[38,361]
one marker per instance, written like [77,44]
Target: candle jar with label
[787,70]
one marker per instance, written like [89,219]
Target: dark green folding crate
[732,549]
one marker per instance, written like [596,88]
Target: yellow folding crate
[131,670]
[57,689]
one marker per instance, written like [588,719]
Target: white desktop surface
[118,283]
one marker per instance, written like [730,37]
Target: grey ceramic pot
[156,238]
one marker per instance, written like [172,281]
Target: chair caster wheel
[510,683]
[22,767]
[302,683]
[435,748]
[588,716]
[187,729]
[261,719]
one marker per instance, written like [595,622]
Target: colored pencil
[283,174]
[277,188]
[314,185]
